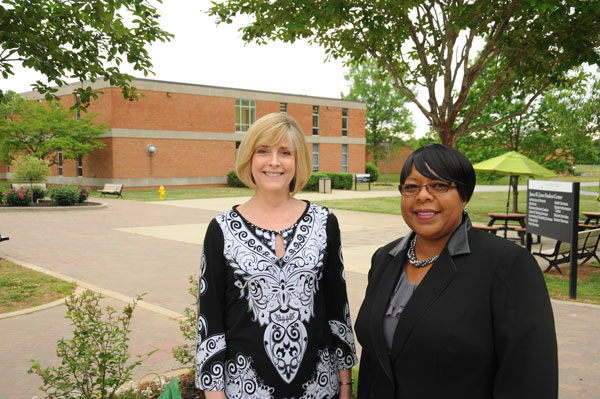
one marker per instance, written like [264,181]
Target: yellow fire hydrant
[161,192]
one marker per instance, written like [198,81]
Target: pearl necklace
[413,259]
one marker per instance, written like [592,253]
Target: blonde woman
[273,319]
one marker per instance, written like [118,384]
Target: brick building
[195,131]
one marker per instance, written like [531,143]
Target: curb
[54,208]
[58,302]
[87,286]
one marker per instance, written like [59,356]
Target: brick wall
[158,117]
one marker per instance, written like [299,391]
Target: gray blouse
[400,297]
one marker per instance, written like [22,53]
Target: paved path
[133,247]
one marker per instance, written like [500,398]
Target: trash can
[325,185]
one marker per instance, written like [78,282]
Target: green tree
[44,129]
[441,46]
[570,116]
[386,116]
[31,169]
[86,40]
[491,139]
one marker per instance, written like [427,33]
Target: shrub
[31,169]
[20,197]
[83,193]
[186,353]
[95,362]
[372,170]
[38,193]
[341,181]
[313,181]
[64,196]
[233,180]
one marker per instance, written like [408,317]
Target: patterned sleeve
[210,334]
[338,309]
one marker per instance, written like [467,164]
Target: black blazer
[480,325]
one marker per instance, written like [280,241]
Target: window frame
[315,152]
[315,120]
[345,158]
[244,108]
[59,162]
[344,122]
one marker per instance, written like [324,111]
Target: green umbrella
[513,163]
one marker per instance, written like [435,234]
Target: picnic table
[505,218]
[591,216]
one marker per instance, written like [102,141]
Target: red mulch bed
[47,204]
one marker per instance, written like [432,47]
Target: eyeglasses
[435,188]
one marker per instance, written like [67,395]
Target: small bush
[19,197]
[38,193]
[372,170]
[31,169]
[95,362]
[341,181]
[233,180]
[185,354]
[64,196]
[83,194]
[313,181]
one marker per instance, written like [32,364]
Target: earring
[465,209]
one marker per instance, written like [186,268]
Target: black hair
[437,161]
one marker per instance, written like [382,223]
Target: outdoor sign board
[550,209]
[553,211]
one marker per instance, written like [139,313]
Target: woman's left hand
[345,391]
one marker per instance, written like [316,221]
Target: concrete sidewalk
[135,247]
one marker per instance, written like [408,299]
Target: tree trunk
[446,135]
[515,189]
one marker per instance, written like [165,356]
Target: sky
[215,55]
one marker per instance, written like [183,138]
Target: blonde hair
[270,130]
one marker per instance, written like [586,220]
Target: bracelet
[347,383]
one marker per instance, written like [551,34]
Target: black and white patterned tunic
[269,327]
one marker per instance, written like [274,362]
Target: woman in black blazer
[451,311]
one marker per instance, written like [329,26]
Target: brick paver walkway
[132,247]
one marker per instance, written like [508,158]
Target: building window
[7,168]
[283,108]
[79,166]
[344,121]
[237,147]
[315,120]
[60,162]
[245,114]
[78,111]
[345,158]
[315,158]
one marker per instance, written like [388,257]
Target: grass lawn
[22,288]
[182,193]
[588,283]
[479,206]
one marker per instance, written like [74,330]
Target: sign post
[553,211]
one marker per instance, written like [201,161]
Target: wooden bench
[482,226]
[587,245]
[17,186]
[112,189]
[362,178]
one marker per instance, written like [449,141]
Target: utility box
[325,185]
